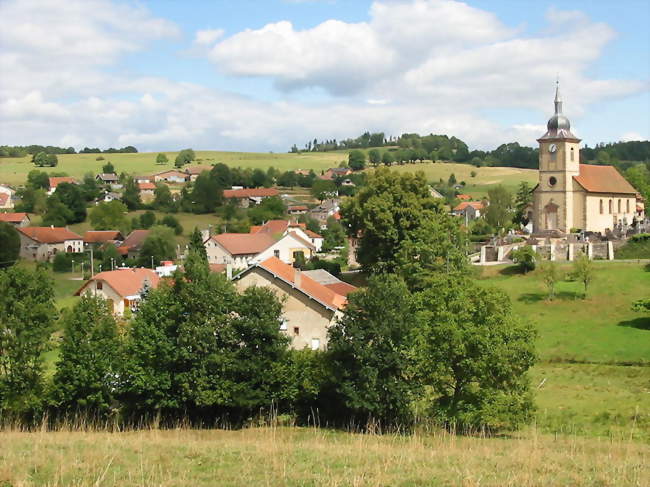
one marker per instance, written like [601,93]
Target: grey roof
[558,126]
[321,276]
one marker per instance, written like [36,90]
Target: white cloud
[632,136]
[419,66]
[208,36]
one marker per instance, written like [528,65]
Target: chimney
[297,277]
[229,271]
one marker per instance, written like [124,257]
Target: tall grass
[285,455]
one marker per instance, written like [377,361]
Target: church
[571,196]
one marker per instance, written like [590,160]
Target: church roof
[558,126]
[602,179]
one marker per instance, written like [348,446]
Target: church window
[627,206]
[610,206]
[619,206]
[601,207]
[572,154]
[552,181]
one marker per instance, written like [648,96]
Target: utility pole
[92,263]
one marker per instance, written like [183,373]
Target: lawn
[14,170]
[599,329]
[486,177]
[315,457]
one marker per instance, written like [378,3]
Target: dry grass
[301,457]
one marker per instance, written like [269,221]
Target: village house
[100,237]
[6,197]
[130,247]
[280,228]
[242,249]
[193,172]
[309,308]
[107,197]
[335,172]
[146,191]
[170,176]
[43,243]
[16,219]
[463,197]
[122,288]
[252,196]
[297,209]
[572,196]
[435,193]
[325,210]
[55,181]
[108,178]
[470,210]
[143,179]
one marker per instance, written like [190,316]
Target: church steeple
[558,126]
[558,99]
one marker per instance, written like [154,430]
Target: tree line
[24,150]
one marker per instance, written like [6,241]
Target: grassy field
[14,170]
[600,329]
[477,186]
[314,457]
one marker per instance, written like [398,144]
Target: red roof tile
[55,181]
[341,288]
[4,197]
[250,193]
[602,179]
[476,204]
[244,243]
[49,234]
[464,197]
[133,241]
[311,234]
[12,217]
[298,208]
[126,282]
[217,267]
[101,236]
[307,285]
[146,186]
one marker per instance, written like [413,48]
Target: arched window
[572,154]
[627,210]
[611,206]
[601,207]
[619,205]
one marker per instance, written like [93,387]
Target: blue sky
[262,75]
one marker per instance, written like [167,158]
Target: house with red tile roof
[279,228]
[146,191]
[171,176]
[102,236]
[122,288]
[193,172]
[250,196]
[309,307]
[43,243]
[16,219]
[6,197]
[470,210]
[463,197]
[240,250]
[55,181]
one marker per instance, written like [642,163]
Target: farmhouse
[310,308]
[6,197]
[122,288]
[171,176]
[100,237]
[16,219]
[146,191]
[335,172]
[193,172]
[470,210]
[280,228]
[243,249]
[108,178]
[42,243]
[245,197]
[325,210]
[571,195]
[131,246]
[55,181]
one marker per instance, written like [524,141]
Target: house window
[610,206]
[619,206]
[283,325]
[296,331]
[276,253]
[601,207]
[315,343]
[100,285]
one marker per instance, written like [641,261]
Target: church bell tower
[559,161]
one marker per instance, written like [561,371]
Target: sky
[263,75]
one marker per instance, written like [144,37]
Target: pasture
[291,456]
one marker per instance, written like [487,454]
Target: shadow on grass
[511,270]
[638,323]
[530,298]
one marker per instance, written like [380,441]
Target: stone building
[573,196]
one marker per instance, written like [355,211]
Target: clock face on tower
[552,148]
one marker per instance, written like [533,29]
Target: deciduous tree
[109,215]
[9,245]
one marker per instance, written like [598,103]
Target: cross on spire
[558,99]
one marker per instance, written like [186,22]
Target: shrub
[525,258]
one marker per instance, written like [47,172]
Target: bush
[62,263]
[171,222]
[99,158]
[525,258]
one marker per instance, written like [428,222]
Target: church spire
[558,98]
